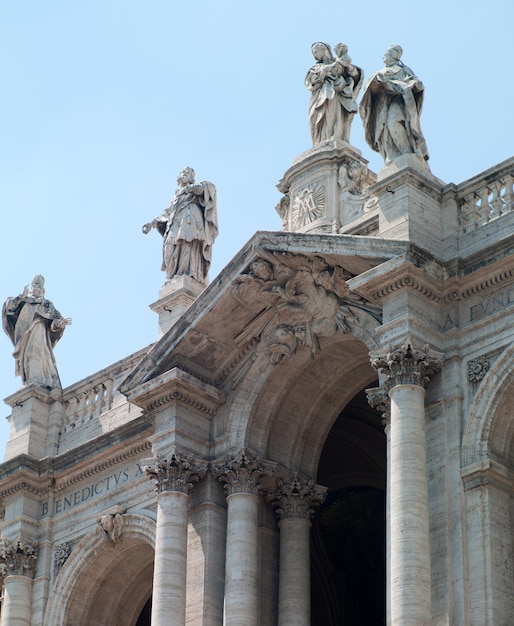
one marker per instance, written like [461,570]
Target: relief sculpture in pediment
[299,300]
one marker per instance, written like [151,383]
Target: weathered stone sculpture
[189,227]
[335,84]
[34,326]
[390,109]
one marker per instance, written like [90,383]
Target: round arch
[103,583]
[285,413]
[489,429]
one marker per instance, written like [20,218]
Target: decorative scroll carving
[112,525]
[301,299]
[477,368]
[18,558]
[308,205]
[296,497]
[282,208]
[176,473]
[242,474]
[407,365]
[61,554]
[378,398]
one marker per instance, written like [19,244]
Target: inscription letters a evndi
[492,304]
[109,483]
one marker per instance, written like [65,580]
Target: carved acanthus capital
[242,474]
[176,473]
[18,558]
[296,497]
[378,398]
[407,365]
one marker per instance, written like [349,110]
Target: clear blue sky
[103,102]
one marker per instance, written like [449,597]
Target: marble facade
[363,354]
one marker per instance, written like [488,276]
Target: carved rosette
[61,554]
[407,365]
[296,497]
[177,473]
[477,369]
[18,558]
[378,398]
[243,474]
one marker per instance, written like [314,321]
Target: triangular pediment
[284,290]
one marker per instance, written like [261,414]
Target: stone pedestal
[35,422]
[175,298]
[175,477]
[326,188]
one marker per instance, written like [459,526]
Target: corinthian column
[175,477]
[295,499]
[407,372]
[18,561]
[242,478]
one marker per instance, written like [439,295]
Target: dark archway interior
[146,614]
[348,531]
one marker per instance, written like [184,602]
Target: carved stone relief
[308,205]
[175,473]
[112,526]
[61,554]
[301,300]
[407,365]
[477,368]
[243,473]
[296,497]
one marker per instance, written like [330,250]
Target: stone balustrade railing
[486,197]
[88,399]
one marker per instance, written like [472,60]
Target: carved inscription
[492,304]
[93,490]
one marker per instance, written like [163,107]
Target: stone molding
[243,473]
[407,365]
[178,472]
[296,497]
[18,558]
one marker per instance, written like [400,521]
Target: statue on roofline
[335,84]
[34,326]
[390,109]
[189,227]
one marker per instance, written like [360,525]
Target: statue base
[175,297]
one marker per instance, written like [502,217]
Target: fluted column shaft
[295,499]
[408,370]
[175,477]
[242,478]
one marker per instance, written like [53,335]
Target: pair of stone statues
[390,107]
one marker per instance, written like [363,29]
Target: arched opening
[348,531]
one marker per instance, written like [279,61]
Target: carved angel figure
[189,227]
[335,84]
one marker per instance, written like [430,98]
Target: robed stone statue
[390,109]
[189,227]
[334,83]
[34,326]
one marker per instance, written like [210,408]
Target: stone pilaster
[242,478]
[175,478]
[295,499]
[18,564]
[407,370]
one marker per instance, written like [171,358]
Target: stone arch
[285,413]
[489,428]
[487,469]
[102,583]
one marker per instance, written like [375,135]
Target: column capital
[18,558]
[296,497]
[407,365]
[177,472]
[378,398]
[243,473]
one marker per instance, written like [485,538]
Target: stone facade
[323,435]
